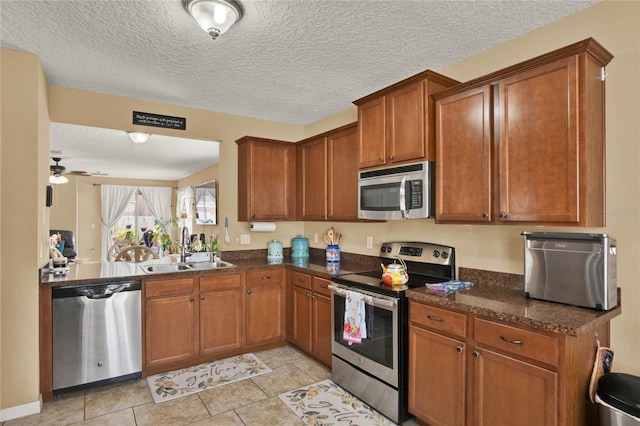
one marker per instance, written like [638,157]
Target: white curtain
[159,201]
[114,202]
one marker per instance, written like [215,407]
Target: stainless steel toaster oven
[572,268]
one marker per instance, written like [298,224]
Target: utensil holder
[333,253]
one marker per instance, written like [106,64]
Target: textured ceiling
[292,61]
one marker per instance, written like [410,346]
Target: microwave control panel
[415,191]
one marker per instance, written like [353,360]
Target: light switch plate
[245,239]
[369,242]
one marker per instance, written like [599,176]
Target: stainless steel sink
[181,267]
[218,264]
[164,268]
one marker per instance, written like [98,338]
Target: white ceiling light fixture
[57,179]
[215,17]
[139,137]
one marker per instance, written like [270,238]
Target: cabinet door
[302,318]
[312,181]
[539,144]
[220,321]
[170,329]
[266,180]
[265,313]
[436,378]
[511,392]
[321,326]
[463,157]
[405,124]
[371,133]
[342,202]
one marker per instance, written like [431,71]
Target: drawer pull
[324,286]
[476,354]
[265,277]
[513,342]
[438,319]
[459,349]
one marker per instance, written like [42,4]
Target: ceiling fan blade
[78,173]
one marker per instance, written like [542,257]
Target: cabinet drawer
[265,276]
[301,280]
[219,282]
[321,286]
[525,343]
[168,287]
[438,319]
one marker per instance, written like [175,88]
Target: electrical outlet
[369,242]
[315,238]
[245,239]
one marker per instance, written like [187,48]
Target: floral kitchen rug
[325,403]
[175,384]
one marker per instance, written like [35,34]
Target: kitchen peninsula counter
[500,297]
[104,272]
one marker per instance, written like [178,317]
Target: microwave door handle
[402,194]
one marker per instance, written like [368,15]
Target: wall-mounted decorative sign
[157,120]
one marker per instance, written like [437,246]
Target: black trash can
[618,398]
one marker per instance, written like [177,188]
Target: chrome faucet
[183,247]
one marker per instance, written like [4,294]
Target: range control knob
[445,255]
[436,253]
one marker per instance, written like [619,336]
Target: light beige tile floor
[249,402]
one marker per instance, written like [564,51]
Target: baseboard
[23,410]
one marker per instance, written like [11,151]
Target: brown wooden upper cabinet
[396,124]
[328,176]
[266,179]
[525,144]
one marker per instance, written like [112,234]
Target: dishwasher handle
[95,291]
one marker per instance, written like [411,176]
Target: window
[134,222]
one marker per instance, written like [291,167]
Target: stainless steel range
[374,366]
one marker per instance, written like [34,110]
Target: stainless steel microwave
[394,193]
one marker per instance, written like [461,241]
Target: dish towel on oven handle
[355,325]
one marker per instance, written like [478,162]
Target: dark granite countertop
[501,299]
[103,272]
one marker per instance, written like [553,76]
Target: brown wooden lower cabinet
[265,306]
[221,313]
[512,392]
[467,370]
[311,307]
[188,321]
[171,322]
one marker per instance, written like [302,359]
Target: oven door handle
[376,299]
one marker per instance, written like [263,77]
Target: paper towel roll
[263,226]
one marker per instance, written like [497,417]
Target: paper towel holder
[262,226]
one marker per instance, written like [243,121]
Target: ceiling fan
[57,171]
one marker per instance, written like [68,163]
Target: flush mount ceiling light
[214,16]
[138,137]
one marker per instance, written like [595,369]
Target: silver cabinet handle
[248,291]
[502,215]
[201,297]
[513,342]
[437,319]
[265,277]
[191,299]
[459,349]
[476,354]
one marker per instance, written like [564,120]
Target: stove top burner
[426,263]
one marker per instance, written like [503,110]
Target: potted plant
[162,235]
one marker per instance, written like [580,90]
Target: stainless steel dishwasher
[97,333]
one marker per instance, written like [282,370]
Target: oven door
[377,354]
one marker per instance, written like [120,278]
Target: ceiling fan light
[138,137]
[57,179]
[215,17]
